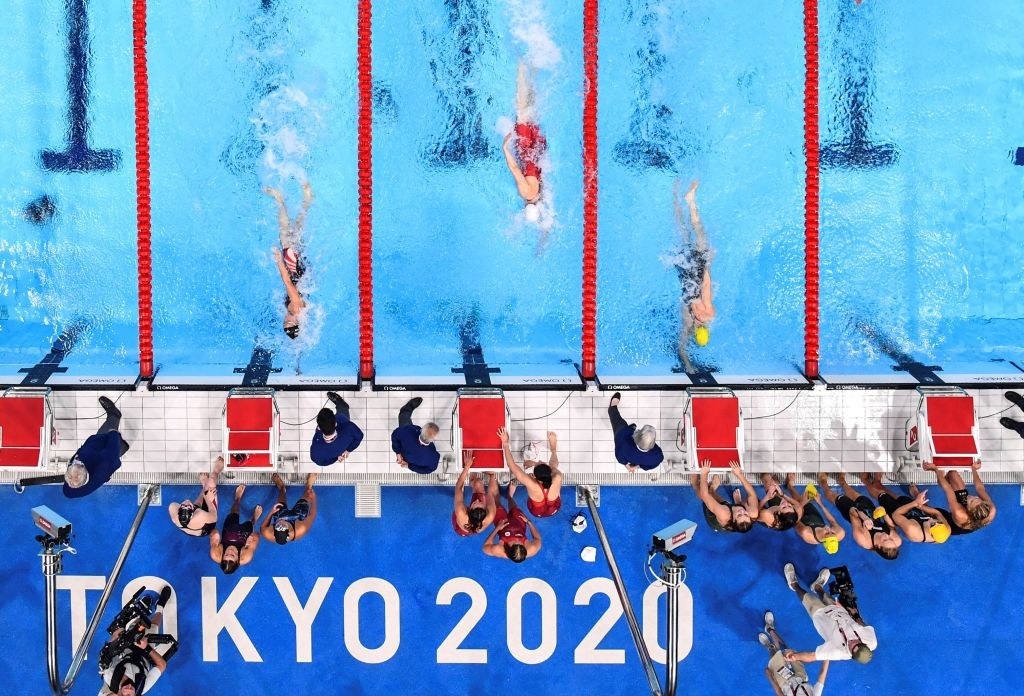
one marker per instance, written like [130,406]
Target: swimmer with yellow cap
[816,525]
[918,521]
[694,269]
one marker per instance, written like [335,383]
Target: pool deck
[807,431]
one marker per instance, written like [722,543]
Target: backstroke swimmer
[289,258]
[693,265]
[530,145]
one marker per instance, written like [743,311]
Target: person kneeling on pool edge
[510,529]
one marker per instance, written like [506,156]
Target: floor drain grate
[367,500]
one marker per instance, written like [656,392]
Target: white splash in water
[287,122]
[528,24]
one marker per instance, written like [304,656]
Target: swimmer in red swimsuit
[530,146]
[467,521]
[289,257]
[509,537]
[544,486]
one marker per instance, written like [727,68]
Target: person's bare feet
[913,490]
[694,481]
[841,479]
[277,480]
[631,467]
[239,491]
[257,513]
[716,481]
[307,191]
[274,193]
[310,480]
[866,478]
[823,480]
[512,486]
[552,441]
[218,466]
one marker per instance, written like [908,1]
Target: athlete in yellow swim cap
[694,272]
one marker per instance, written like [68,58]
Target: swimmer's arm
[751,502]
[265,531]
[832,522]
[705,290]
[293,294]
[249,550]
[533,546]
[513,167]
[460,483]
[216,552]
[172,510]
[489,545]
[310,495]
[979,486]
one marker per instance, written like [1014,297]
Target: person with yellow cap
[871,531]
[918,521]
[812,527]
[693,265]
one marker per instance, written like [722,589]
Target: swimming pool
[916,197]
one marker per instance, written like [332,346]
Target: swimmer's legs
[700,239]
[282,215]
[307,201]
[524,95]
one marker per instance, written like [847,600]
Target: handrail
[52,568]
[627,606]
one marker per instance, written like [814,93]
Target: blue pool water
[920,194]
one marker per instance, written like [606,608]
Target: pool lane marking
[78,156]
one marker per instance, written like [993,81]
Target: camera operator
[134,669]
[845,636]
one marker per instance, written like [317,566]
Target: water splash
[287,122]
[528,24]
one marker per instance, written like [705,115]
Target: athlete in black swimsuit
[915,518]
[876,534]
[721,515]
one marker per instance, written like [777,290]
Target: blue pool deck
[384,597]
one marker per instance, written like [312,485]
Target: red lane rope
[142,189]
[590,17]
[365,174]
[812,189]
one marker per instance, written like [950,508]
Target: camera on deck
[841,589]
[58,529]
[135,620]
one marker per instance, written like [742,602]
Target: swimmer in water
[693,266]
[530,145]
[289,259]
